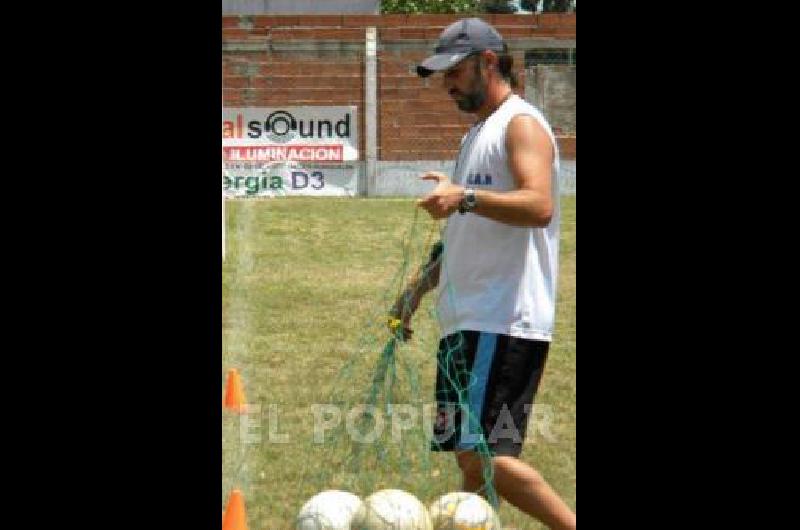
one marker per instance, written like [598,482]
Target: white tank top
[495,277]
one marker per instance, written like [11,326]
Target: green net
[381,401]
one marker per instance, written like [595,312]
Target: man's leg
[521,485]
[471,470]
[524,487]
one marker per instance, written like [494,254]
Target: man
[496,270]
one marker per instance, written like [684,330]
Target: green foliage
[473,6]
[430,6]
[503,7]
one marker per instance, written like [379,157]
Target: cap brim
[439,62]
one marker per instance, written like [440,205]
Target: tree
[430,6]
[499,6]
[474,6]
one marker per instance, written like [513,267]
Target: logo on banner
[281,127]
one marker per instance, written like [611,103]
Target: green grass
[306,284]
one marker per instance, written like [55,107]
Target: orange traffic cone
[234,393]
[235,518]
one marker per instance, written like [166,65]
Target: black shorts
[485,385]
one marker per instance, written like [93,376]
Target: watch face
[470,198]
[468,202]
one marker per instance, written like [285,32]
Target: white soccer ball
[328,510]
[392,510]
[460,510]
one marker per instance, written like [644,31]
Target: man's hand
[407,303]
[444,199]
[401,312]
[399,329]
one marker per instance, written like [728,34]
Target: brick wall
[319,60]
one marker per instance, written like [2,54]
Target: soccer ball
[392,510]
[328,510]
[463,511]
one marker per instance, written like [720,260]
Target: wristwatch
[468,202]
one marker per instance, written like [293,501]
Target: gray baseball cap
[460,39]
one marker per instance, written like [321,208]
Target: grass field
[305,287]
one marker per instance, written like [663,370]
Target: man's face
[466,84]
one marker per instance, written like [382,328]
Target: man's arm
[426,279]
[530,157]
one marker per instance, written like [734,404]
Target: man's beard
[472,101]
